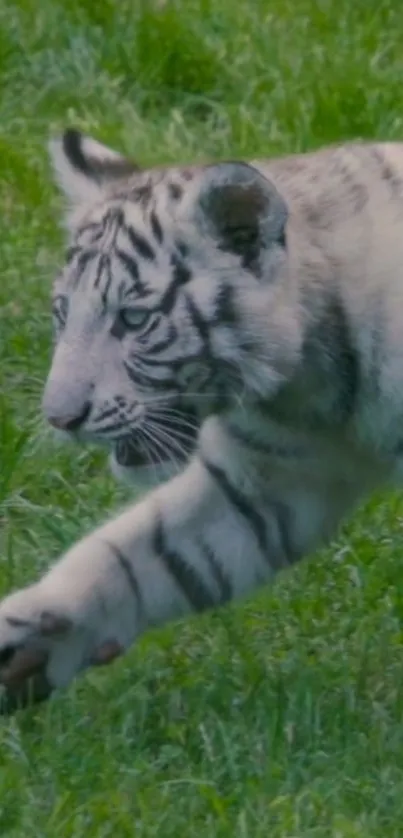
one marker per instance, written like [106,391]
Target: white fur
[315,473]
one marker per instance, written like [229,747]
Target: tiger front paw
[43,646]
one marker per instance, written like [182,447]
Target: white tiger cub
[243,321]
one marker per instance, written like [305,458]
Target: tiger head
[171,304]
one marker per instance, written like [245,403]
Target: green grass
[281,717]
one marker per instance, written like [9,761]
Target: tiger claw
[24,680]
[25,655]
[107,653]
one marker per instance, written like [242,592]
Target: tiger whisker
[175,421]
[176,432]
[150,451]
[170,445]
[161,434]
[158,443]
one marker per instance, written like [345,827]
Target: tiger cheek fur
[237,324]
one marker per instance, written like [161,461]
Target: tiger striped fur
[239,326]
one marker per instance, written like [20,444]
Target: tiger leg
[194,543]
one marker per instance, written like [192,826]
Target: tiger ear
[83,166]
[243,209]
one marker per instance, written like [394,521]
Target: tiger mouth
[177,441]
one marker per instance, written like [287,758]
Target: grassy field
[281,717]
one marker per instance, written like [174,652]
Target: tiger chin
[238,324]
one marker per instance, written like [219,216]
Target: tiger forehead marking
[147,261]
[128,227]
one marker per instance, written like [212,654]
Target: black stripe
[164,344]
[119,425]
[116,216]
[128,571]
[181,276]
[217,570]
[85,257]
[140,244]
[158,347]
[17,622]
[346,361]
[94,227]
[378,331]
[107,414]
[331,354]
[181,272]
[225,311]
[60,309]
[241,504]
[156,227]
[283,517]
[73,151]
[132,268]
[140,379]
[185,576]
[155,363]
[100,268]
[99,169]
[136,376]
[175,191]
[169,298]
[199,324]
[129,264]
[71,252]
[108,283]
[155,322]
[142,194]
[182,249]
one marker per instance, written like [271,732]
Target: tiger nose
[69,422]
